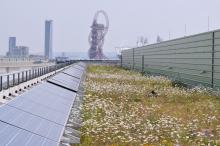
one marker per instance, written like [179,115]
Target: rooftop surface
[122,107]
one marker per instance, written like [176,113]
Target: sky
[128,20]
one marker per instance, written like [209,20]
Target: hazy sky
[128,20]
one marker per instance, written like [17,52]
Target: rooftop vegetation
[123,108]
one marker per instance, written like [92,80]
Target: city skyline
[72,24]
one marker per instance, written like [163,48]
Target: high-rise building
[15,51]
[12,45]
[48,39]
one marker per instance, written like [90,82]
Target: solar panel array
[38,117]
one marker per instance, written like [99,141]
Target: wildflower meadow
[125,108]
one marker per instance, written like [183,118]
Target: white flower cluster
[118,110]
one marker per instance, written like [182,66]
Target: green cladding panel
[193,59]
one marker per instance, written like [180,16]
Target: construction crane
[97,36]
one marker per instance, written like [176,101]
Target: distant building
[48,39]
[62,59]
[11,45]
[17,51]
[20,52]
[37,57]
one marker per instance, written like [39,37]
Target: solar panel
[38,117]
[82,64]
[42,111]
[31,123]
[74,72]
[65,81]
[79,67]
[14,136]
[38,102]
[64,76]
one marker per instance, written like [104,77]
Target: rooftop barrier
[194,60]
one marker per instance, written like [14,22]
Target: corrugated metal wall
[193,59]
